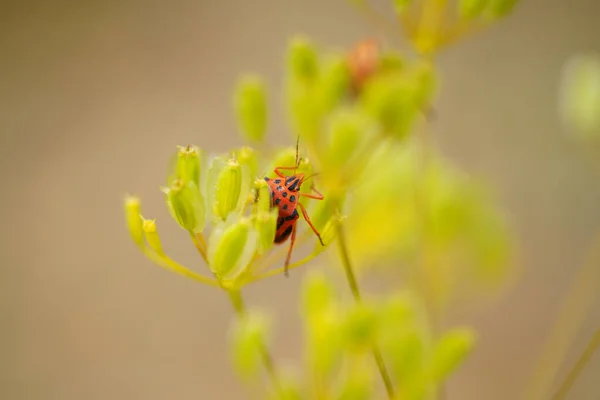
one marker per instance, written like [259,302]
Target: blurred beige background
[94,96]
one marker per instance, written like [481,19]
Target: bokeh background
[94,97]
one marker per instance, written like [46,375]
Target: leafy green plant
[392,203]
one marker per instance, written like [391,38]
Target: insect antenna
[297,159]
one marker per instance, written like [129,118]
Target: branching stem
[353,283]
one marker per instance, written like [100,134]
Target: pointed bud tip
[149,225]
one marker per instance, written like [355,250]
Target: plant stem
[167,263]
[579,297]
[200,243]
[240,309]
[356,293]
[578,367]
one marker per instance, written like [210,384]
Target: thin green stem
[280,270]
[168,263]
[579,297]
[567,384]
[353,283]
[239,306]
[200,244]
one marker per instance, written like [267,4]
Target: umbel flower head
[222,201]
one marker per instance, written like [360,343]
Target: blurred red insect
[285,194]
[363,62]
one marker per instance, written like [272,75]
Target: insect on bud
[188,164]
[229,187]
[231,248]
[149,226]
[186,205]
[250,103]
[132,216]
[363,61]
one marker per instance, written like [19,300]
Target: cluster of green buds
[225,206]
[338,339]
[344,105]
[431,25]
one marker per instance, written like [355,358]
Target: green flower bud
[390,62]
[358,385]
[266,226]
[231,248]
[249,337]
[187,165]
[288,388]
[470,9]
[580,95]
[500,8]
[149,226]
[247,157]
[229,186]
[361,326]
[393,101]
[450,351]
[423,73]
[318,294]
[302,59]
[401,5]
[251,108]
[334,83]
[263,196]
[186,205]
[134,222]
[303,109]
[347,131]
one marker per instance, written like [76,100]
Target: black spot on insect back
[278,181]
[279,188]
[277,201]
[292,198]
[284,194]
[267,179]
[285,207]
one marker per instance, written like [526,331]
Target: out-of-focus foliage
[580,95]
[340,335]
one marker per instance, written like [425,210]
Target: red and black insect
[285,195]
[364,60]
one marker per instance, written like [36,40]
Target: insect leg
[289,254]
[317,196]
[281,174]
[307,219]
